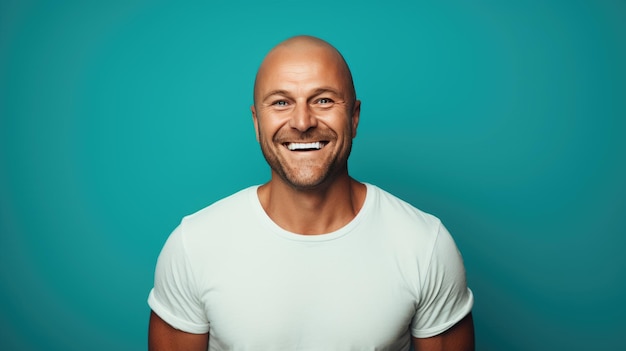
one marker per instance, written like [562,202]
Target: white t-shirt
[392,272]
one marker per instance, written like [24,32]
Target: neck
[309,212]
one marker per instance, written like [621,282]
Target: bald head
[304,41]
[304,48]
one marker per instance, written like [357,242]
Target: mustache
[290,136]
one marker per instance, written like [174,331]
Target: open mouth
[306,146]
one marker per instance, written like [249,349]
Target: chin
[305,182]
[317,180]
[301,184]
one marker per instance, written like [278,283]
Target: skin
[304,93]
[164,337]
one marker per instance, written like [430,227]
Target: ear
[255,120]
[356,114]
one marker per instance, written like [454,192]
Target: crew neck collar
[276,229]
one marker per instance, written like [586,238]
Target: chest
[308,298]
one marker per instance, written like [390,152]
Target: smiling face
[305,113]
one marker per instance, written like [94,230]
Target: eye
[280,103]
[324,101]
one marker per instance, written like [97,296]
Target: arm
[163,337]
[458,338]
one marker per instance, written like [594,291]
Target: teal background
[505,119]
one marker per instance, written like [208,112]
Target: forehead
[285,67]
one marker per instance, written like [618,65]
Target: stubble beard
[306,175]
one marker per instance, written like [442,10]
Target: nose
[302,118]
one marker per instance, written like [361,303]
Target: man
[313,259]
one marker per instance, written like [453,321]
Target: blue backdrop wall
[505,119]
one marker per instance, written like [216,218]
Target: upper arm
[458,338]
[164,337]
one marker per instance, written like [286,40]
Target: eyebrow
[323,90]
[275,92]
[316,92]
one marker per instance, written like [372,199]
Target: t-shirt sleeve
[444,298]
[174,297]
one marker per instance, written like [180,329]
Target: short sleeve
[444,298]
[174,297]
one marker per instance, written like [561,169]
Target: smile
[306,146]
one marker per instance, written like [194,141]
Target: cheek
[266,134]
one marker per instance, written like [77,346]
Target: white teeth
[304,146]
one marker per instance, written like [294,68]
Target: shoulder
[219,218]
[406,232]
[415,239]
[404,217]
[224,209]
